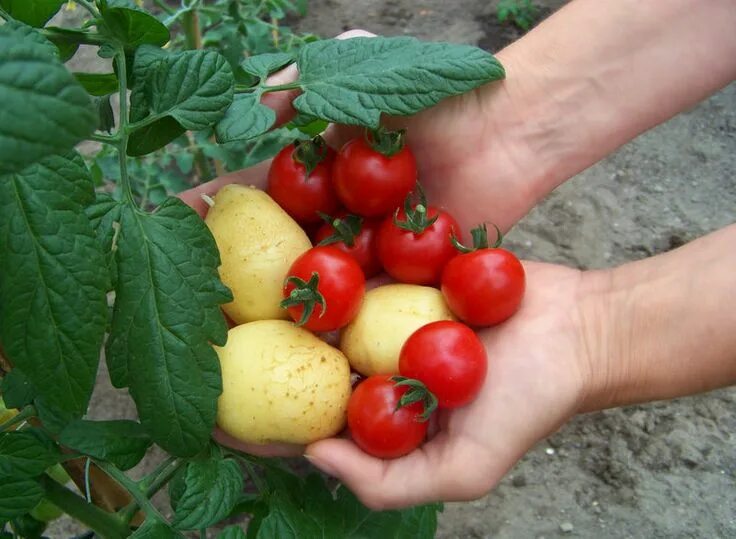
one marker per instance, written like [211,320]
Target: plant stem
[28,411]
[89,7]
[123,130]
[148,120]
[153,483]
[103,523]
[192,31]
[131,486]
[282,87]
[105,139]
[163,5]
[86,38]
[5,15]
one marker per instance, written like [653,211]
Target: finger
[260,450]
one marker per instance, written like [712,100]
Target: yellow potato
[389,314]
[281,383]
[258,242]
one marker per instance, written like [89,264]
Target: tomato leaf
[44,110]
[166,314]
[213,487]
[353,81]
[18,496]
[263,65]
[106,118]
[156,529]
[53,310]
[104,216]
[231,532]
[26,453]
[16,389]
[285,520]
[154,136]
[245,119]
[33,12]
[121,442]
[98,83]
[132,25]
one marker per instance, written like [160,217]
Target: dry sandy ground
[660,470]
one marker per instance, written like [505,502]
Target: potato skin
[258,242]
[281,383]
[389,314]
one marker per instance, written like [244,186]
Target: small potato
[281,384]
[389,314]
[258,242]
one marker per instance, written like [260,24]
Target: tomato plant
[355,236]
[135,271]
[485,285]
[324,289]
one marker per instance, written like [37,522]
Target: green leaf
[263,65]
[28,527]
[67,41]
[154,136]
[193,87]
[176,487]
[53,309]
[287,521]
[33,12]
[14,31]
[54,419]
[165,317]
[353,81]
[43,108]
[231,532]
[26,453]
[213,487]
[155,529]
[246,118]
[18,496]
[16,389]
[132,25]
[104,216]
[105,115]
[121,442]
[98,83]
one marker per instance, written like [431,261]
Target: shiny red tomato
[300,180]
[370,183]
[448,358]
[355,236]
[484,287]
[375,424]
[415,249]
[324,289]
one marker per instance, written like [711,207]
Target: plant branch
[131,486]
[86,38]
[164,6]
[89,7]
[5,15]
[105,139]
[28,411]
[281,87]
[123,130]
[153,483]
[103,523]
[148,120]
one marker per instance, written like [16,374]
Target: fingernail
[321,464]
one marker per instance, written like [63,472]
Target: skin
[582,341]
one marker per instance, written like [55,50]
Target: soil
[653,471]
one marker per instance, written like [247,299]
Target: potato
[281,383]
[389,314]
[258,241]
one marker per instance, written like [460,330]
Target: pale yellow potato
[389,314]
[281,383]
[258,242]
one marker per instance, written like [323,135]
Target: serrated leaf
[33,12]
[193,87]
[286,520]
[16,389]
[132,25]
[104,216]
[43,108]
[26,453]
[213,487]
[154,136]
[354,81]
[53,310]
[166,315]
[231,532]
[245,119]
[52,417]
[155,529]
[121,442]
[263,65]
[18,496]
[98,83]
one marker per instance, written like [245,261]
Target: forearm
[596,74]
[665,326]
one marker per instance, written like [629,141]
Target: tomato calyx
[415,220]
[305,293]
[385,142]
[480,239]
[345,229]
[418,392]
[310,153]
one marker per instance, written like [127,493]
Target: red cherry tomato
[376,426]
[355,236]
[484,287]
[299,193]
[370,183]
[449,358]
[324,289]
[417,257]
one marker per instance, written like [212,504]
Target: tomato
[449,359]
[371,183]
[485,286]
[375,423]
[414,244]
[300,180]
[355,236]
[324,289]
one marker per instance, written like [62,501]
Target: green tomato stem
[89,7]
[153,483]
[132,487]
[105,139]
[28,411]
[281,87]
[5,15]
[101,522]
[124,131]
